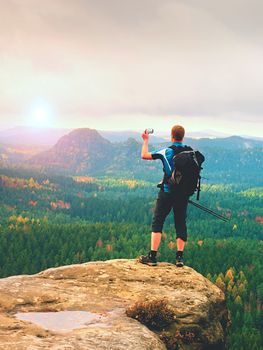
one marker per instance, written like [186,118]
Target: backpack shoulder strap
[177,149]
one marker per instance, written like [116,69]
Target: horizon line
[220,134]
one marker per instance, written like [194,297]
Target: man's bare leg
[150,259]
[180,244]
[155,241]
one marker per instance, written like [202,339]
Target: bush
[171,341]
[155,314]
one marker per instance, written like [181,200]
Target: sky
[132,64]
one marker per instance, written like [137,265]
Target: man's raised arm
[145,154]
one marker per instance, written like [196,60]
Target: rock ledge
[108,288]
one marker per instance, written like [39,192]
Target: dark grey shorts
[164,203]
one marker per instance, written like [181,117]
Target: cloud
[242,17]
[97,58]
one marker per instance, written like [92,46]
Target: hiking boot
[148,260]
[179,261]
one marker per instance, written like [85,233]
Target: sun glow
[40,115]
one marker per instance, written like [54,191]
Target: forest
[52,220]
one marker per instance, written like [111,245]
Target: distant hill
[17,155]
[207,134]
[122,136]
[33,136]
[230,143]
[24,135]
[82,150]
[86,152]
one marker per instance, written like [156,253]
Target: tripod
[209,211]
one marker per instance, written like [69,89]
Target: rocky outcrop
[107,289]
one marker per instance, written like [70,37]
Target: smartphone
[149,131]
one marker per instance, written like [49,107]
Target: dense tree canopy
[49,220]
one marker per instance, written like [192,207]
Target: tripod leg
[209,211]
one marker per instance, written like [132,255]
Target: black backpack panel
[185,178]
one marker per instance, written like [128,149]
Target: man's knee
[183,236]
[158,222]
[157,226]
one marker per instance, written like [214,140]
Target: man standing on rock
[168,198]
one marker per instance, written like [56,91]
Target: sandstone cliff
[106,290]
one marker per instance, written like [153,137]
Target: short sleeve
[158,154]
